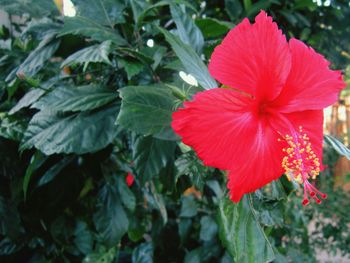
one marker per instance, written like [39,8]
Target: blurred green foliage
[84,101]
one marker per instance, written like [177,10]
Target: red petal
[311,85]
[312,123]
[253,58]
[260,163]
[226,132]
[266,164]
[129,179]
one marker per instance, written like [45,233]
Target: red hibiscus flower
[129,179]
[267,118]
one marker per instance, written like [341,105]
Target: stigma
[301,164]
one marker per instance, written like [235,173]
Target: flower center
[301,163]
[262,108]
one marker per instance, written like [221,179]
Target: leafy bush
[86,103]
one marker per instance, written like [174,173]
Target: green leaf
[156,201]
[95,53]
[35,162]
[84,26]
[271,213]
[290,17]
[83,238]
[37,8]
[65,99]
[190,60]
[241,233]
[189,206]
[8,247]
[36,59]
[305,4]
[338,146]
[213,28]
[41,28]
[131,66]
[126,195]
[102,256]
[145,59]
[136,229]
[163,3]
[138,6]
[184,226]
[150,155]
[147,110]
[247,5]
[10,219]
[110,220]
[226,258]
[194,256]
[78,133]
[215,187]
[254,9]
[189,164]
[104,12]
[158,55]
[209,228]
[233,8]
[12,128]
[288,186]
[272,192]
[55,170]
[28,99]
[277,190]
[143,253]
[302,19]
[187,30]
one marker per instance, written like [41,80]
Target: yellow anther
[300,161]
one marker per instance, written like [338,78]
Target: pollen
[301,164]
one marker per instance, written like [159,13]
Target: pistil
[301,164]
